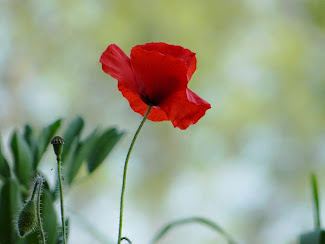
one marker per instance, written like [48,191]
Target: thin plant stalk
[127,239]
[61,202]
[190,220]
[40,184]
[125,172]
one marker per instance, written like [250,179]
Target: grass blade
[190,220]
[314,185]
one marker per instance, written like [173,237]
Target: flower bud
[57,143]
[27,218]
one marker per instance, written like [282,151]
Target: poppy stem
[125,171]
[61,201]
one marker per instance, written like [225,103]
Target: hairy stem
[34,190]
[39,210]
[125,172]
[61,202]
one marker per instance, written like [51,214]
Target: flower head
[157,74]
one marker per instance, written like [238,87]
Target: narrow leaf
[4,166]
[104,145]
[74,129]
[83,150]
[22,158]
[29,136]
[49,217]
[44,140]
[9,206]
[199,220]
[314,185]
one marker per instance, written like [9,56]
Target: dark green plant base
[315,237]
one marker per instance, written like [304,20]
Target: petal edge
[185,108]
[117,64]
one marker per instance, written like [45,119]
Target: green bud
[27,219]
[57,143]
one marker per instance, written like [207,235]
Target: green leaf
[316,237]
[9,206]
[314,186]
[33,237]
[4,166]
[83,150]
[49,217]
[22,158]
[199,220]
[74,129]
[44,140]
[103,146]
[29,136]
[70,157]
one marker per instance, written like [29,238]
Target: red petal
[156,114]
[117,64]
[157,75]
[184,108]
[175,51]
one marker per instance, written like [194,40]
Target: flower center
[145,98]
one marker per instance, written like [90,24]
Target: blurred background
[244,165]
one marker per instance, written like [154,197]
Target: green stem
[39,211]
[61,201]
[125,171]
[34,190]
[127,239]
[200,220]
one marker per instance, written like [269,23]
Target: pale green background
[245,164]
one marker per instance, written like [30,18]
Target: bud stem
[61,202]
[34,190]
[39,210]
[125,171]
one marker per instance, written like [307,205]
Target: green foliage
[49,220]
[315,237]
[45,139]
[318,235]
[49,217]
[67,232]
[27,150]
[74,130]
[10,203]
[4,167]
[81,152]
[22,158]
[102,147]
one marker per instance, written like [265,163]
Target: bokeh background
[245,164]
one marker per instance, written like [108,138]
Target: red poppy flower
[157,74]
